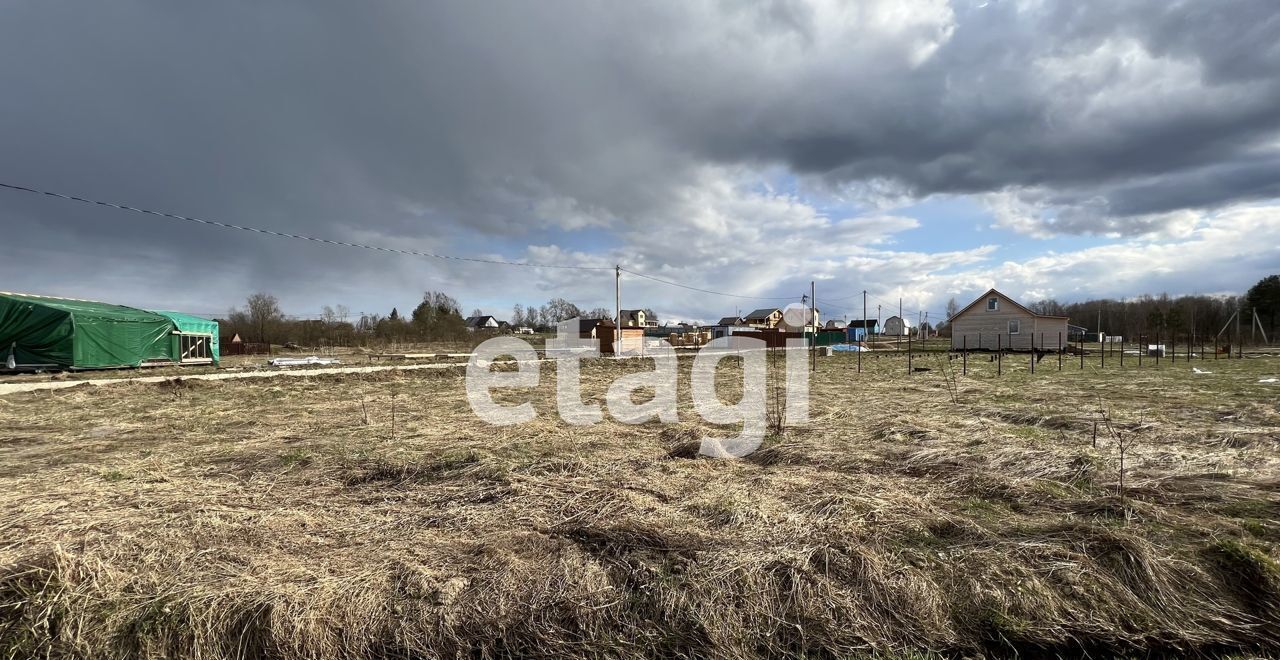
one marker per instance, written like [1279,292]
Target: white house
[896,326]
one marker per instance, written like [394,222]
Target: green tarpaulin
[48,332]
[188,324]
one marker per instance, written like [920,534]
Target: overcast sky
[920,148]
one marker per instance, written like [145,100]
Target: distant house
[767,317]
[835,324]
[638,318]
[726,326]
[482,323]
[860,329]
[865,326]
[896,326]
[591,328]
[995,321]
[811,323]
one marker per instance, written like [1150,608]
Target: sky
[919,150]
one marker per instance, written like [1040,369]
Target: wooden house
[996,321]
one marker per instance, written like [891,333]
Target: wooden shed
[996,321]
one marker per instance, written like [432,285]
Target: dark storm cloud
[423,123]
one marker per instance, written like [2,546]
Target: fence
[245,348]
[1149,348]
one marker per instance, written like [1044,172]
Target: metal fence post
[999,354]
[964,341]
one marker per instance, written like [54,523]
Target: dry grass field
[374,516]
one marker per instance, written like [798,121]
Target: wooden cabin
[996,321]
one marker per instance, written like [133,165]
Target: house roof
[479,321]
[729,320]
[837,323]
[905,321]
[633,315]
[587,325]
[864,323]
[1019,305]
[762,313]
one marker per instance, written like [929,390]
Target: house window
[993,304]
[1014,326]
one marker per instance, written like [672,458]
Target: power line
[281,234]
[714,293]
[378,248]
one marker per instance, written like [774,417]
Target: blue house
[860,329]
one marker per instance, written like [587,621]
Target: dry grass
[267,519]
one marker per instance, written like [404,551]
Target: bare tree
[264,315]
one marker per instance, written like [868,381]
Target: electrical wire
[694,288]
[281,234]
[417,253]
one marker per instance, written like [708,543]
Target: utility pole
[904,324]
[813,317]
[878,305]
[1239,336]
[864,329]
[617,301]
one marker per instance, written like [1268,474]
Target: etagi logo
[568,350]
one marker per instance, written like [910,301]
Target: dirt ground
[915,514]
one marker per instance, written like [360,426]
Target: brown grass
[268,519]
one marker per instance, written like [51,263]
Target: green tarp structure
[48,332]
[194,325]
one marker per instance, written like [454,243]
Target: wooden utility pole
[1239,337]
[864,329]
[617,301]
[813,318]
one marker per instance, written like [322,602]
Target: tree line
[438,317]
[543,318]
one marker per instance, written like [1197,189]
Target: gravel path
[11,388]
